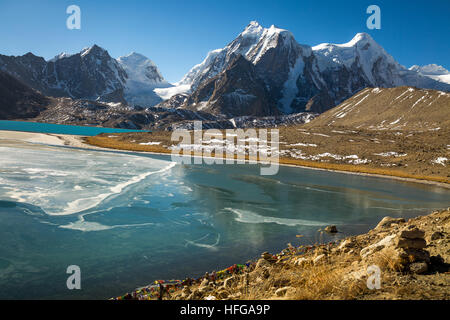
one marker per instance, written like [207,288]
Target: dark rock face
[29,69]
[17,100]
[237,91]
[91,74]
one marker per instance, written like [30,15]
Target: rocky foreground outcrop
[398,259]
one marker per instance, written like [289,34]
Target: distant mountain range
[286,77]
[264,72]
[91,74]
[433,71]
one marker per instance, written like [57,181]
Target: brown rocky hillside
[400,108]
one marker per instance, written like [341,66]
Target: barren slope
[400,108]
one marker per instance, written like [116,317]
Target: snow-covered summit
[62,55]
[94,50]
[430,69]
[252,43]
[253,29]
[141,69]
[143,77]
[433,71]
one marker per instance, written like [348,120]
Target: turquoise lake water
[129,219]
[57,128]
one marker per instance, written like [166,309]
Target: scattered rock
[437,235]
[204,290]
[348,243]
[235,296]
[411,243]
[418,267]
[280,283]
[385,242]
[282,291]
[355,275]
[185,292]
[413,233]
[410,255]
[222,294]
[301,262]
[331,229]
[267,256]
[195,295]
[388,221]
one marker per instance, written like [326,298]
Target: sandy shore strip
[31,137]
[48,139]
[79,142]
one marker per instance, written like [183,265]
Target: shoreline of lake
[283,162]
[80,142]
[343,268]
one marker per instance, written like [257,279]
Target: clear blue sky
[177,34]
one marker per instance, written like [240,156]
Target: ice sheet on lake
[67,181]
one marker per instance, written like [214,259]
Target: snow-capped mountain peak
[253,28]
[363,51]
[433,71]
[141,69]
[298,77]
[252,43]
[430,69]
[360,39]
[143,76]
[94,50]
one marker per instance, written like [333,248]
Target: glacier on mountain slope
[290,89]
[167,93]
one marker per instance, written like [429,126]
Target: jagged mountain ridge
[300,77]
[281,76]
[433,71]
[91,74]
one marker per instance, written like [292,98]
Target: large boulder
[418,267]
[331,229]
[411,243]
[383,243]
[388,221]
